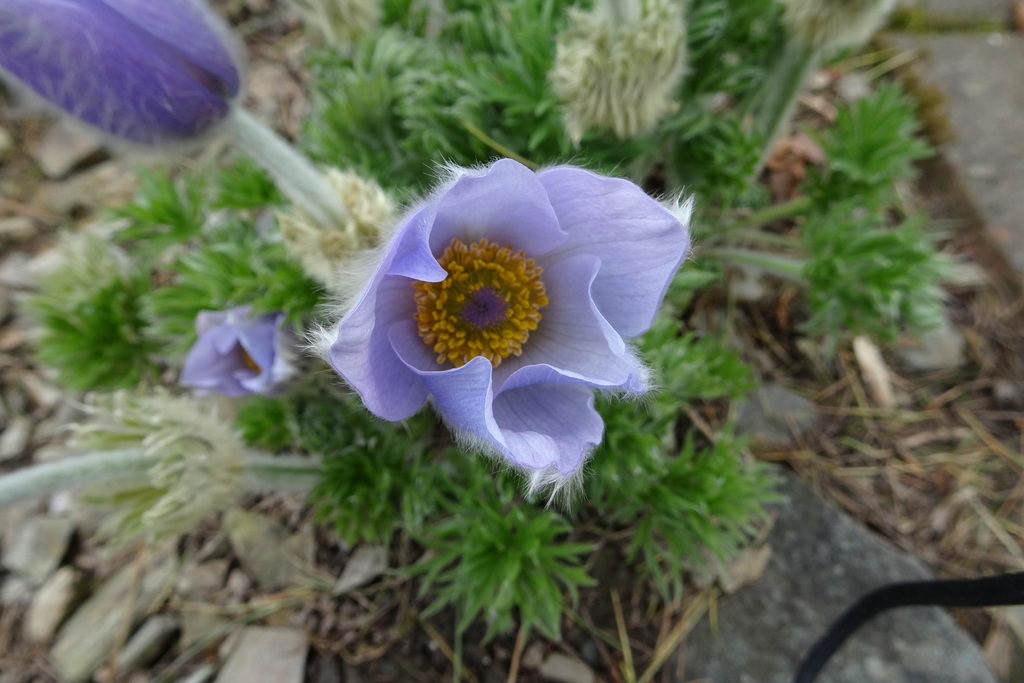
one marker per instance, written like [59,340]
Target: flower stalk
[264,472]
[786,267]
[292,172]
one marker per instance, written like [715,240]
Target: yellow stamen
[249,362]
[486,306]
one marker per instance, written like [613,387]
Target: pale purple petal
[108,65]
[363,355]
[641,245]
[238,355]
[548,425]
[574,340]
[505,204]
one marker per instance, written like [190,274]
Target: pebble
[89,636]
[366,564]
[773,415]
[38,548]
[201,580]
[15,437]
[6,143]
[267,653]
[561,668]
[272,557]
[63,147]
[16,228]
[51,604]
[152,639]
[937,350]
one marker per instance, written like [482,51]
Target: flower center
[249,362]
[486,306]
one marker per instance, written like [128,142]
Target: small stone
[773,415]
[106,184]
[366,564]
[42,394]
[202,580]
[52,603]
[16,591]
[275,559]
[939,349]
[201,622]
[15,437]
[39,547]
[16,228]
[151,640]
[562,668]
[267,654]
[6,144]
[14,272]
[94,630]
[63,147]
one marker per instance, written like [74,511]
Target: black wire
[988,591]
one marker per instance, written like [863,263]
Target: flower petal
[96,63]
[209,367]
[548,426]
[640,243]
[505,204]
[363,355]
[572,339]
[411,249]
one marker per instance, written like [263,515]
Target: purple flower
[239,355]
[148,71]
[507,299]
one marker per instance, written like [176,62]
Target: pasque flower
[146,71]
[507,298]
[239,354]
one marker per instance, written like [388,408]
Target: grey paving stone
[965,10]
[981,75]
[821,562]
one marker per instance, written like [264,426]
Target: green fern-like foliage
[92,327]
[165,212]
[233,265]
[873,143]
[867,278]
[498,558]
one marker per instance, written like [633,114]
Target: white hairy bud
[617,66]
[834,24]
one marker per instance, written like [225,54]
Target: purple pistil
[483,309]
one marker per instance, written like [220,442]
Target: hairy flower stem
[291,171]
[785,267]
[283,472]
[73,472]
[778,98]
[766,215]
[264,472]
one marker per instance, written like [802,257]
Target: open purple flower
[507,298]
[239,355]
[147,71]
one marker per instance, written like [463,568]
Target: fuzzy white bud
[200,462]
[617,66]
[834,24]
[327,250]
[337,21]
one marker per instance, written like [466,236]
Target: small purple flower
[239,355]
[507,299]
[147,71]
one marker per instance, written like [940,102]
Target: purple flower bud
[147,71]
[237,355]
